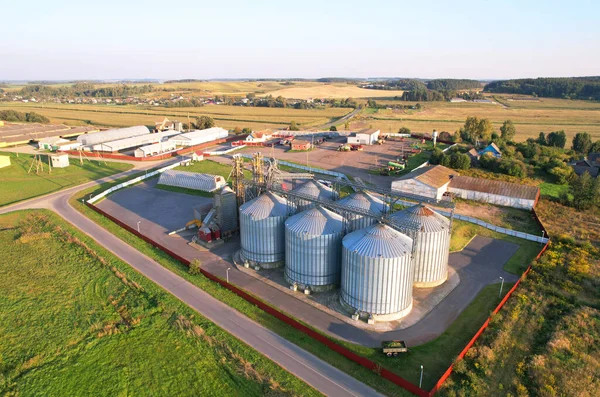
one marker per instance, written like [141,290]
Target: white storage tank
[314,189]
[313,249]
[365,202]
[430,232]
[377,272]
[262,230]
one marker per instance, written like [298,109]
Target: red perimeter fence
[392,377]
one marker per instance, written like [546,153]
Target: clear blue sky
[45,39]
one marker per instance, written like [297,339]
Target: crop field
[76,320]
[529,117]
[18,185]
[225,116]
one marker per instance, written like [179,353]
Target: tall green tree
[508,131]
[541,139]
[557,139]
[204,122]
[582,143]
[595,147]
[585,191]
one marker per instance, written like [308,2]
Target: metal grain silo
[314,189]
[430,232]
[365,202]
[377,272]
[262,230]
[313,248]
[225,205]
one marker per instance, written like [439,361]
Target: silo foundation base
[377,317]
[314,288]
[262,265]
[430,284]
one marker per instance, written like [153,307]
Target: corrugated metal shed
[112,135]
[134,141]
[313,254]
[377,271]
[191,180]
[499,188]
[225,205]
[155,149]
[366,202]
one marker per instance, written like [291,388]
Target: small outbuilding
[4,161]
[491,149]
[59,160]
[368,136]
[301,144]
[431,181]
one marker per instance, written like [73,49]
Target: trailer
[394,347]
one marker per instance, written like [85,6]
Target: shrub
[195,266]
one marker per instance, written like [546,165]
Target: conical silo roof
[315,222]
[264,206]
[420,218]
[378,241]
[364,201]
[315,189]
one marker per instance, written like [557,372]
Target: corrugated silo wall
[431,253]
[356,222]
[263,240]
[376,285]
[313,260]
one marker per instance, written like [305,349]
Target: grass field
[77,321]
[447,346]
[529,117]
[18,185]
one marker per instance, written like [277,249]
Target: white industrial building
[112,135]
[155,149]
[133,142]
[495,192]
[431,181]
[50,143]
[192,180]
[68,145]
[59,160]
[367,136]
[198,137]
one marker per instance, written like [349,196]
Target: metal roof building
[132,142]
[364,201]
[313,248]
[192,180]
[431,181]
[262,229]
[198,137]
[430,232]
[495,192]
[377,272]
[155,149]
[112,135]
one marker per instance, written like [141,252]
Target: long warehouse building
[112,135]
[198,137]
[133,142]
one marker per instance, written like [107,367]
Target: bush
[195,266]
[333,128]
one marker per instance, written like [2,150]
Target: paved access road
[315,372]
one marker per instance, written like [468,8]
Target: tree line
[563,87]
[23,117]
[85,90]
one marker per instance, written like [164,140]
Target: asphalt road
[315,372]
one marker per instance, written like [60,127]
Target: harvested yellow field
[329,91]
[225,116]
[530,118]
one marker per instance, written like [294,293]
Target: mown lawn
[75,320]
[19,185]
[435,355]
[211,167]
